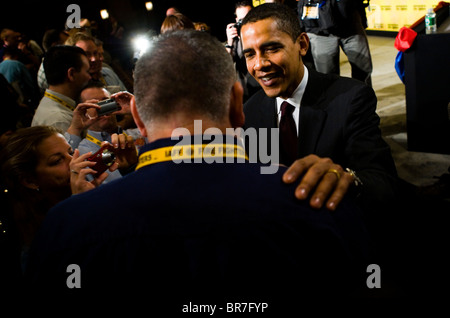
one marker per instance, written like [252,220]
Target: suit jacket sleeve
[366,152]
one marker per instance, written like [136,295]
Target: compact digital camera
[104,158]
[107,106]
[238,25]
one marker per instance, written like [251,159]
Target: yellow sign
[258,2]
[391,15]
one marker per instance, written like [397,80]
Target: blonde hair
[76,35]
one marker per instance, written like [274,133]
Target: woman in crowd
[39,170]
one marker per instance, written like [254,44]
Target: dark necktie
[288,135]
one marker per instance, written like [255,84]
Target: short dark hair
[246,3]
[285,17]
[12,52]
[60,58]
[50,37]
[184,70]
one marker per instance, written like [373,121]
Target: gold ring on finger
[338,175]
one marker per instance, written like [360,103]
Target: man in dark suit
[197,221]
[333,123]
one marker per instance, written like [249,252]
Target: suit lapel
[310,128]
[312,116]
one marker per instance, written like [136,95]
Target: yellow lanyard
[58,100]
[96,141]
[188,152]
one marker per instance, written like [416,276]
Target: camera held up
[103,158]
[238,25]
[107,106]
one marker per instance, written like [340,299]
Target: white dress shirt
[295,100]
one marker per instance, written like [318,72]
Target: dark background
[34,17]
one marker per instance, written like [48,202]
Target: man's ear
[137,119]
[71,73]
[237,117]
[303,41]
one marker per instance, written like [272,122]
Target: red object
[404,39]
[103,158]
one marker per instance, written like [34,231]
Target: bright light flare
[141,44]
[104,14]
[149,6]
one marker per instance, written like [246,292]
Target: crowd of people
[50,95]
[203,227]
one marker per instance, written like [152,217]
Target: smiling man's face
[273,58]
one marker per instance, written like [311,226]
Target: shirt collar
[296,98]
[65,98]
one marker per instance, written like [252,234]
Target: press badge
[310,11]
